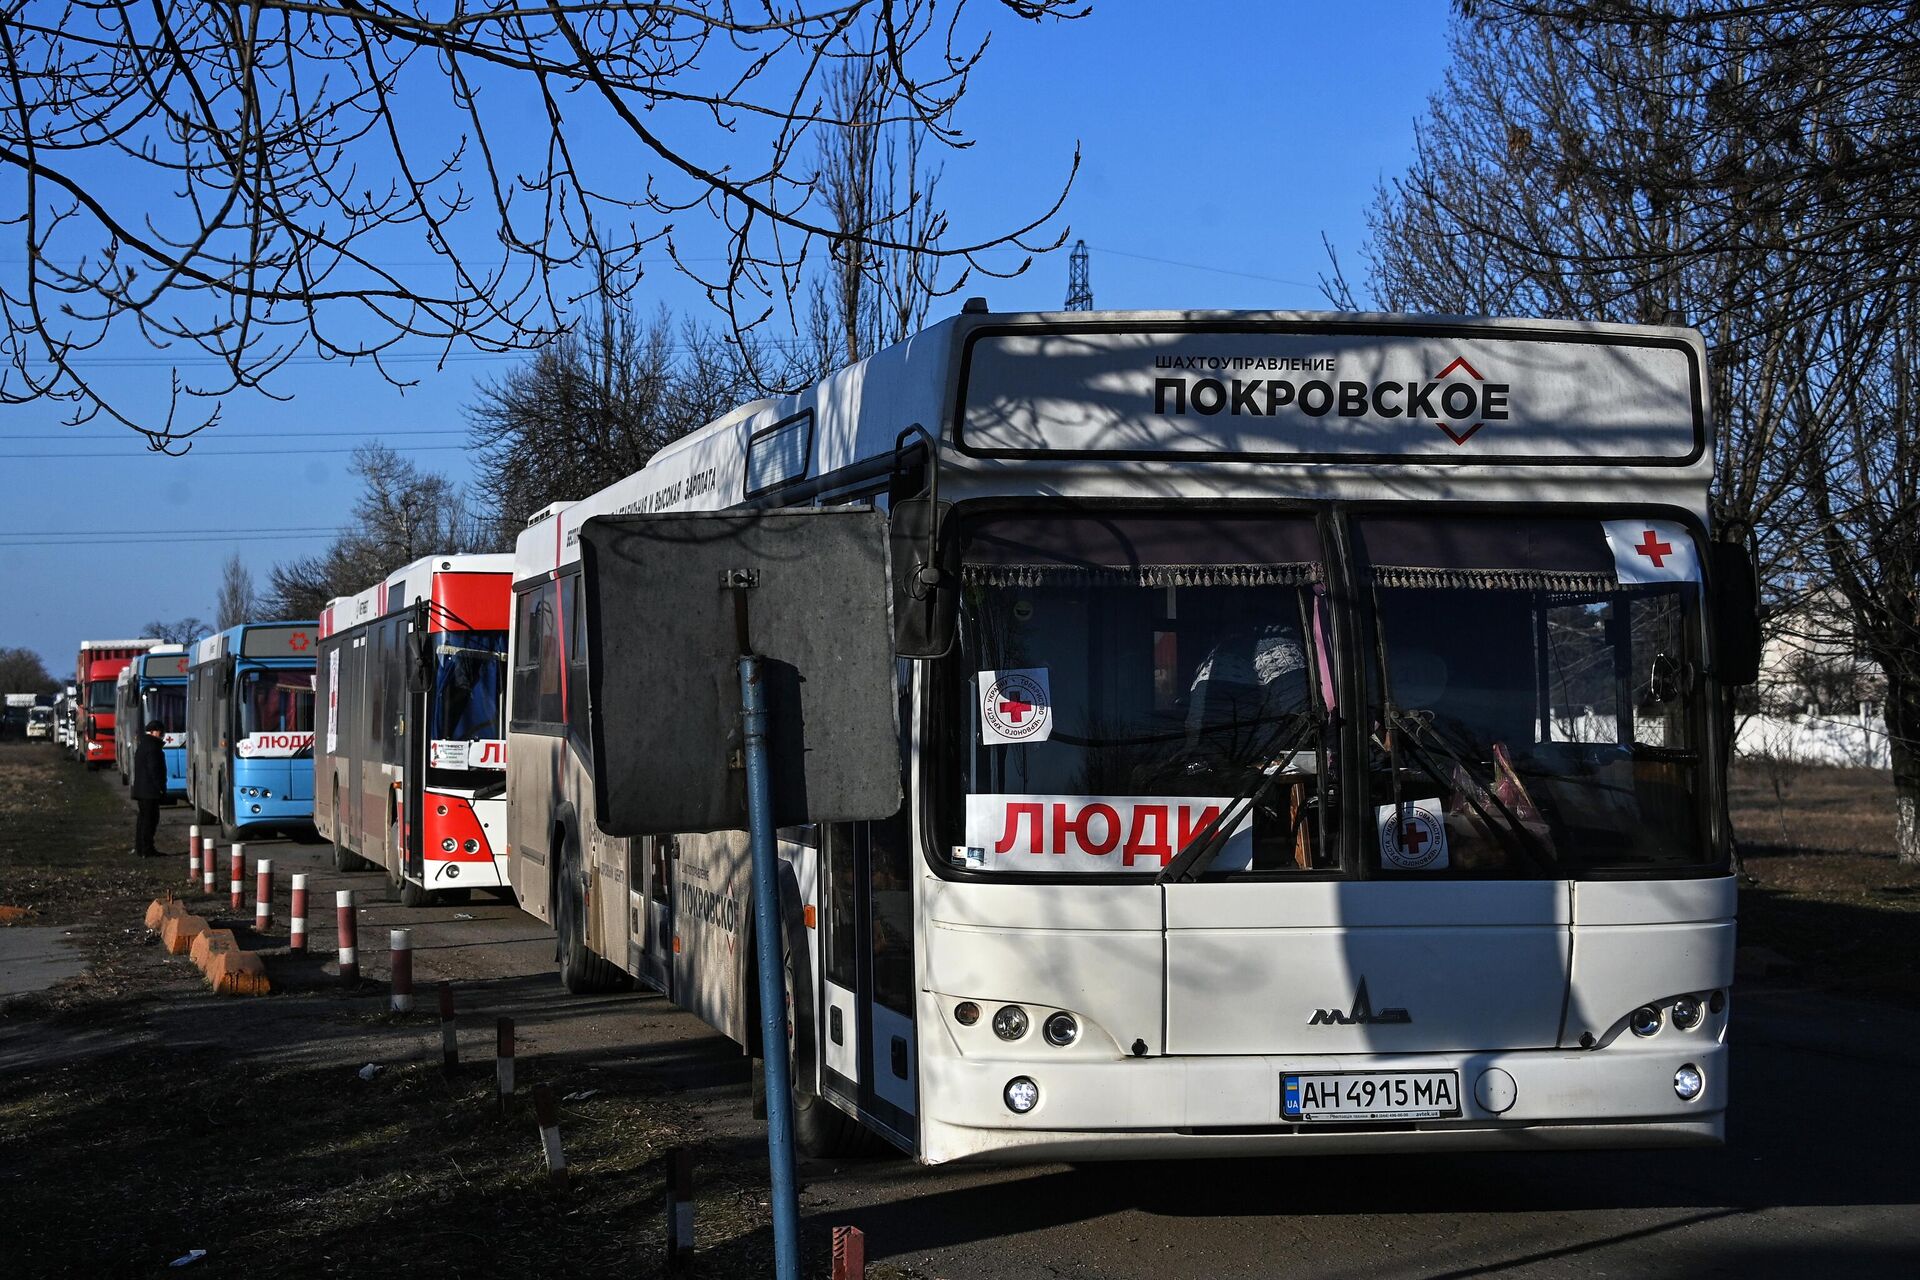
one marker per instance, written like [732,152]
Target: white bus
[409,763]
[1325,760]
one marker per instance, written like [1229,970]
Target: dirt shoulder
[1823,898]
[141,1117]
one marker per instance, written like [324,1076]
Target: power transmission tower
[1079,289]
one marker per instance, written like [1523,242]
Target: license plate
[1370,1095]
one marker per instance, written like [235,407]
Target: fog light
[451,871]
[1023,1095]
[1061,1030]
[449,844]
[966,1013]
[1010,1023]
[1687,1082]
[256,808]
[470,845]
[1686,1013]
[441,810]
[1644,1021]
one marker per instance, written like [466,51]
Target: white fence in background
[1859,741]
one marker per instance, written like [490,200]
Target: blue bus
[250,727]
[154,687]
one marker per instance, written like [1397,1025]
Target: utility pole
[1079,289]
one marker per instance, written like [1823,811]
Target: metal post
[773,991]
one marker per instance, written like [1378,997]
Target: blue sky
[1219,141]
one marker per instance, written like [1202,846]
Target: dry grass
[1823,888]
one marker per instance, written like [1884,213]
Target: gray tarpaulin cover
[664,686]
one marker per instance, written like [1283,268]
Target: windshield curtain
[469,686]
[1119,680]
[166,703]
[1529,713]
[276,702]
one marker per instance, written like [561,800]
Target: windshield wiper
[1210,839]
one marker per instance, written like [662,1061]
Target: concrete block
[178,932]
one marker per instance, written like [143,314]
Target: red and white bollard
[193,855]
[262,895]
[297,915]
[547,1114]
[679,1211]
[400,958]
[206,864]
[349,936]
[237,871]
[849,1254]
[503,1064]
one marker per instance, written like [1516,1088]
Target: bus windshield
[1530,713]
[275,701]
[166,703]
[469,686]
[1122,679]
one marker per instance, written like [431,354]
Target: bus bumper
[1618,1096]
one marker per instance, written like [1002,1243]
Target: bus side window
[842,899]
[576,601]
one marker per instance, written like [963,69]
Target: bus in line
[1324,758]
[154,687]
[250,728]
[411,752]
[97,675]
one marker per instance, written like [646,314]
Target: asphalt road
[1819,1176]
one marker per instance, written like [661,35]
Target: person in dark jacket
[149,788]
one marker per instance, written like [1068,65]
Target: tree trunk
[1903,717]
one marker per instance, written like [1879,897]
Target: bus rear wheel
[581,971]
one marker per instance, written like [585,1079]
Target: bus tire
[414,896]
[581,971]
[229,829]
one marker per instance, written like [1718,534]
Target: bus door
[869,1051]
[650,912]
[414,734]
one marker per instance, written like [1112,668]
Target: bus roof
[260,642]
[1210,404]
[413,582]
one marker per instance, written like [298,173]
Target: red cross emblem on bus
[1015,710]
[1413,837]
[1653,549]
[183,666]
[299,640]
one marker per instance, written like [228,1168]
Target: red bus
[96,678]
[410,754]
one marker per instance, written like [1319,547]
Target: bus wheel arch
[582,972]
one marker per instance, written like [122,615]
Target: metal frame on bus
[252,776]
[1079,1010]
[160,675]
[425,645]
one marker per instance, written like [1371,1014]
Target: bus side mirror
[419,661]
[1735,613]
[926,578]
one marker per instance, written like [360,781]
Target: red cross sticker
[299,640]
[1653,549]
[1413,837]
[1014,710]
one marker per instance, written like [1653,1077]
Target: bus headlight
[1644,1021]
[966,1013]
[471,845]
[1060,1030]
[449,844]
[1022,1095]
[1687,1083]
[1010,1023]
[1686,1013]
